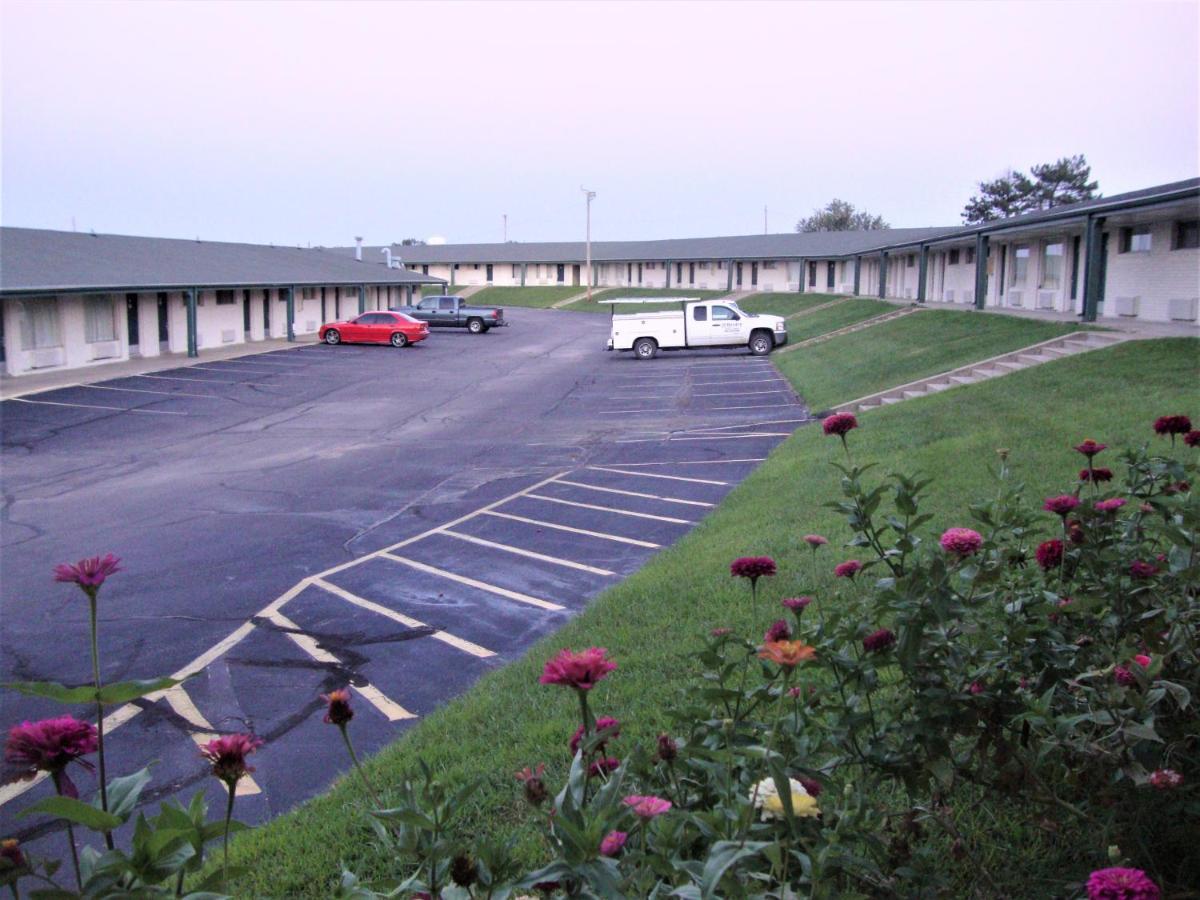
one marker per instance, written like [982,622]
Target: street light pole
[590,196]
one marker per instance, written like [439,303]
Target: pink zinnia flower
[1090,448]
[878,641]
[1172,425]
[961,541]
[848,569]
[1121,884]
[228,756]
[1096,475]
[1110,505]
[612,843]
[795,692]
[779,631]
[840,424]
[49,745]
[1165,779]
[582,671]
[815,540]
[1050,554]
[646,806]
[602,724]
[88,573]
[1143,660]
[338,712]
[752,567]
[976,687]
[1123,676]
[1192,438]
[1062,504]
[604,766]
[1142,569]
[796,604]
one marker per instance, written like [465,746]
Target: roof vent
[387,255]
[358,249]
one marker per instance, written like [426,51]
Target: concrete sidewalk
[24,385]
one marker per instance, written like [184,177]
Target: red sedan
[392,328]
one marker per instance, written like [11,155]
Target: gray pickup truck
[448,311]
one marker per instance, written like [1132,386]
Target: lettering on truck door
[726,326]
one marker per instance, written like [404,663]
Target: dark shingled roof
[38,260]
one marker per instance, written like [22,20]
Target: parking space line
[101,387]
[705,437]
[390,708]
[696,462]
[153,412]
[608,490]
[619,412]
[181,378]
[520,551]
[742,393]
[622,512]
[241,361]
[743,381]
[758,406]
[230,371]
[471,582]
[178,699]
[702,429]
[596,534]
[656,475]
[443,636]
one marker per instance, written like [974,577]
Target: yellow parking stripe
[178,699]
[471,582]
[518,551]
[408,622]
[656,475]
[607,490]
[620,512]
[596,534]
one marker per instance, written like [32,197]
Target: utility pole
[590,196]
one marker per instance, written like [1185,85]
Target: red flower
[602,724]
[840,424]
[1062,504]
[1050,554]
[582,671]
[1121,884]
[811,785]
[604,766]
[1143,660]
[228,756]
[878,641]
[1141,569]
[667,748]
[796,604]
[1192,438]
[961,541]
[752,567]
[1110,505]
[339,711]
[88,573]
[1123,676]
[1172,425]
[1096,475]
[1090,448]
[48,746]
[646,806]
[1165,779]
[976,687]
[612,843]
[815,540]
[779,631]
[848,569]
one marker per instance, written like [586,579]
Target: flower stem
[357,765]
[231,786]
[108,838]
[70,838]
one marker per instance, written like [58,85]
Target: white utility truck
[697,323]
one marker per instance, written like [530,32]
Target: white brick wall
[1155,277]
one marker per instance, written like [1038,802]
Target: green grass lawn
[904,350]
[537,297]
[778,304]
[617,293]
[652,622]
[823,321]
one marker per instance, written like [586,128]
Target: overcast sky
[315,122]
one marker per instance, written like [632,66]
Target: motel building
[1133,256]
[70,300]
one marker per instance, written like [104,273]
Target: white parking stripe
[180,378]
[608,490]
[443,636]
[519,551]
[742,393]
[706,437]
[596,534]
[622,512]
[696,462]
[619,412]
[759,406]
[102,387]
[227,370]
[153,412]
[656,475]
[471,582]
[743,381]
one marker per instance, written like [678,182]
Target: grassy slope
[507,720]
[778,304]
[825,320]
[615,293]
[537,297]
[904,350]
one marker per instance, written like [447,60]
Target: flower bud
[667,748]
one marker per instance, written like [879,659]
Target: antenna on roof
[764,218]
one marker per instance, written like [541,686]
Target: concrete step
[1011,365]
[888,401]
[938,386]
[988,373]
[1034,359]
[963,379]
[912,395]
[1056,351]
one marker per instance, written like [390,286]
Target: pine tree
[1051,184]
[838,215]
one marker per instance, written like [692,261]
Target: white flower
[765,797]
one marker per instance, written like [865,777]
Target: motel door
[739,274]
[131,319]
[829,275]
[753,274]
[164,335]
[562,273]
[691,273]
[489,273]
[246,312]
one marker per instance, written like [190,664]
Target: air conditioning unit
[1182,309]
[1016,298]
[228,336]
[1127,306]
[767,287]
[105,349]
[47,357]
[1047,299]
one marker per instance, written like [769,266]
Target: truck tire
[333,337]
[475,326]
[761,343]
[399,339]
[645,348]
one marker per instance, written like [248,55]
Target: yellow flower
[766,797]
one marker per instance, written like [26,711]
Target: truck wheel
[332,337]
[475,326]
[645,348]
[399,340]
[761,343]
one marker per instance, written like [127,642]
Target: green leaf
[721,856]
[407,817]
[75,811]
[54,691]
[123,793]
[124,691]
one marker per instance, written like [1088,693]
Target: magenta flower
[1172,425]
[667,748]
[1110,505]
[878,641]
[1050,554]
[721,632]
[581,671]
[1192,438]
[815,540]
[612,843]
[848,569]
[1062,504]
[811,785]
[1142,569]
[646,807]
[48,746]
[840,424]
[1096,475]
[602,724]
[1165,779]
[962,541]
[1090,448]
[228,756]
[976,687]
[1123,676]
[752,567]
[779,631]
[796,604]
[1143,660]
[1121,884]
[88,573]
[604,766]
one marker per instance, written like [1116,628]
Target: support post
[729,276]
[362,299]
[291,313]
[922,272]
[408,296]
[857,273]
[1093,275]
[669,264]
[524,266]
[803,276]
[193,345]
[981,276]
[883,266]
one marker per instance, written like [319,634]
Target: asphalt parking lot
[400,520]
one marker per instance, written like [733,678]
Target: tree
[1051,184]
[839,215]
[412,242]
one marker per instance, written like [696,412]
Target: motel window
[970,260]
[99,322]
[39,323]
[768,263]
[721,266]
[954,257]
[703,265]
[649,266]
[1052,266]
[308,293]
[1135,240]
[516,271]
[1020,264]
[1187,235]
[224,298]
[475,266]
